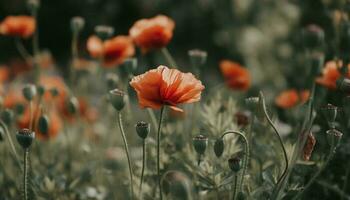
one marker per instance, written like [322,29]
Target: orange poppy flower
[164,86]
[331,74]
[87,113]
[290,98]
[114,51]
[236,76]
[51,82]
[4,74]
[55,123]
[152,33]
[13,98]
[22,26]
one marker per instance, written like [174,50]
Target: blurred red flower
[20,26]
[236,76]
[290,98]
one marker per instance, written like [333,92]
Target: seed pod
[25,138]
[200,143]
[234,163]
[117,98]
[330,111]
[104,32]
[219,147]
[43,124]
[313,36]
[334,135]
[197,57]
[77,24]
[41,90]
[142,129]
[29,91]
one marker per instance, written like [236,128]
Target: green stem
[3,125]
[158,152]
[31,115]
[143,165]
[25,174]
[313,178]
[22,50]
[169,58]
[120,123]
[262,99]
[74,49]
[235,187]
[246,157]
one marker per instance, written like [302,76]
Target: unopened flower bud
[54,92]
[330,111]
[197,57]
[25,137]
[117,98]
[104,32]
[234,163]
[7,116]
[43,124]
[77,24]
[29,92]
[72,105]
[200,143]
[142,129]
[313,36]
[219,147]
[131,65]
[41,90]
[112,81]
[343,84]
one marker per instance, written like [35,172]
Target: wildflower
[20,26]
[153,33]
[309,147]
[331,74]
[164,86]
[113,51]
[290,98]
[236,76]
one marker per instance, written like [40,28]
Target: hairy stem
[158,153]
[120,123]
[143,166]
[25,174]
[235,187]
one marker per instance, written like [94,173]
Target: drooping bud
[330,112]
[219,147]
[200,143]
[7,116]
[77,24]
[112,81]
[29,92]
[25,137]
[104,32]
[234,163]
[43,124]
[197,57]
[142,129]
[313,36]
[117,98]
[343,84]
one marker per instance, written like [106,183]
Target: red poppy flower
[236,76]
[21,26]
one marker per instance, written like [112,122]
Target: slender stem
[22,50]
[74,49]
[262,99]
[25,174]
[158,152]
[143,165]
[120,123]
[168,57]
[235,187]
[247,154]
[3,125]
[31,115]
[313,178]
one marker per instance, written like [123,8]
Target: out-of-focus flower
[13,98]
[331,74]
[290,98]
[4,74]
[309,147]
[236,76]
[164,86]
[84,110]
[54,125]
[152,33]
[20,26]
[53,82]
[113,51]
